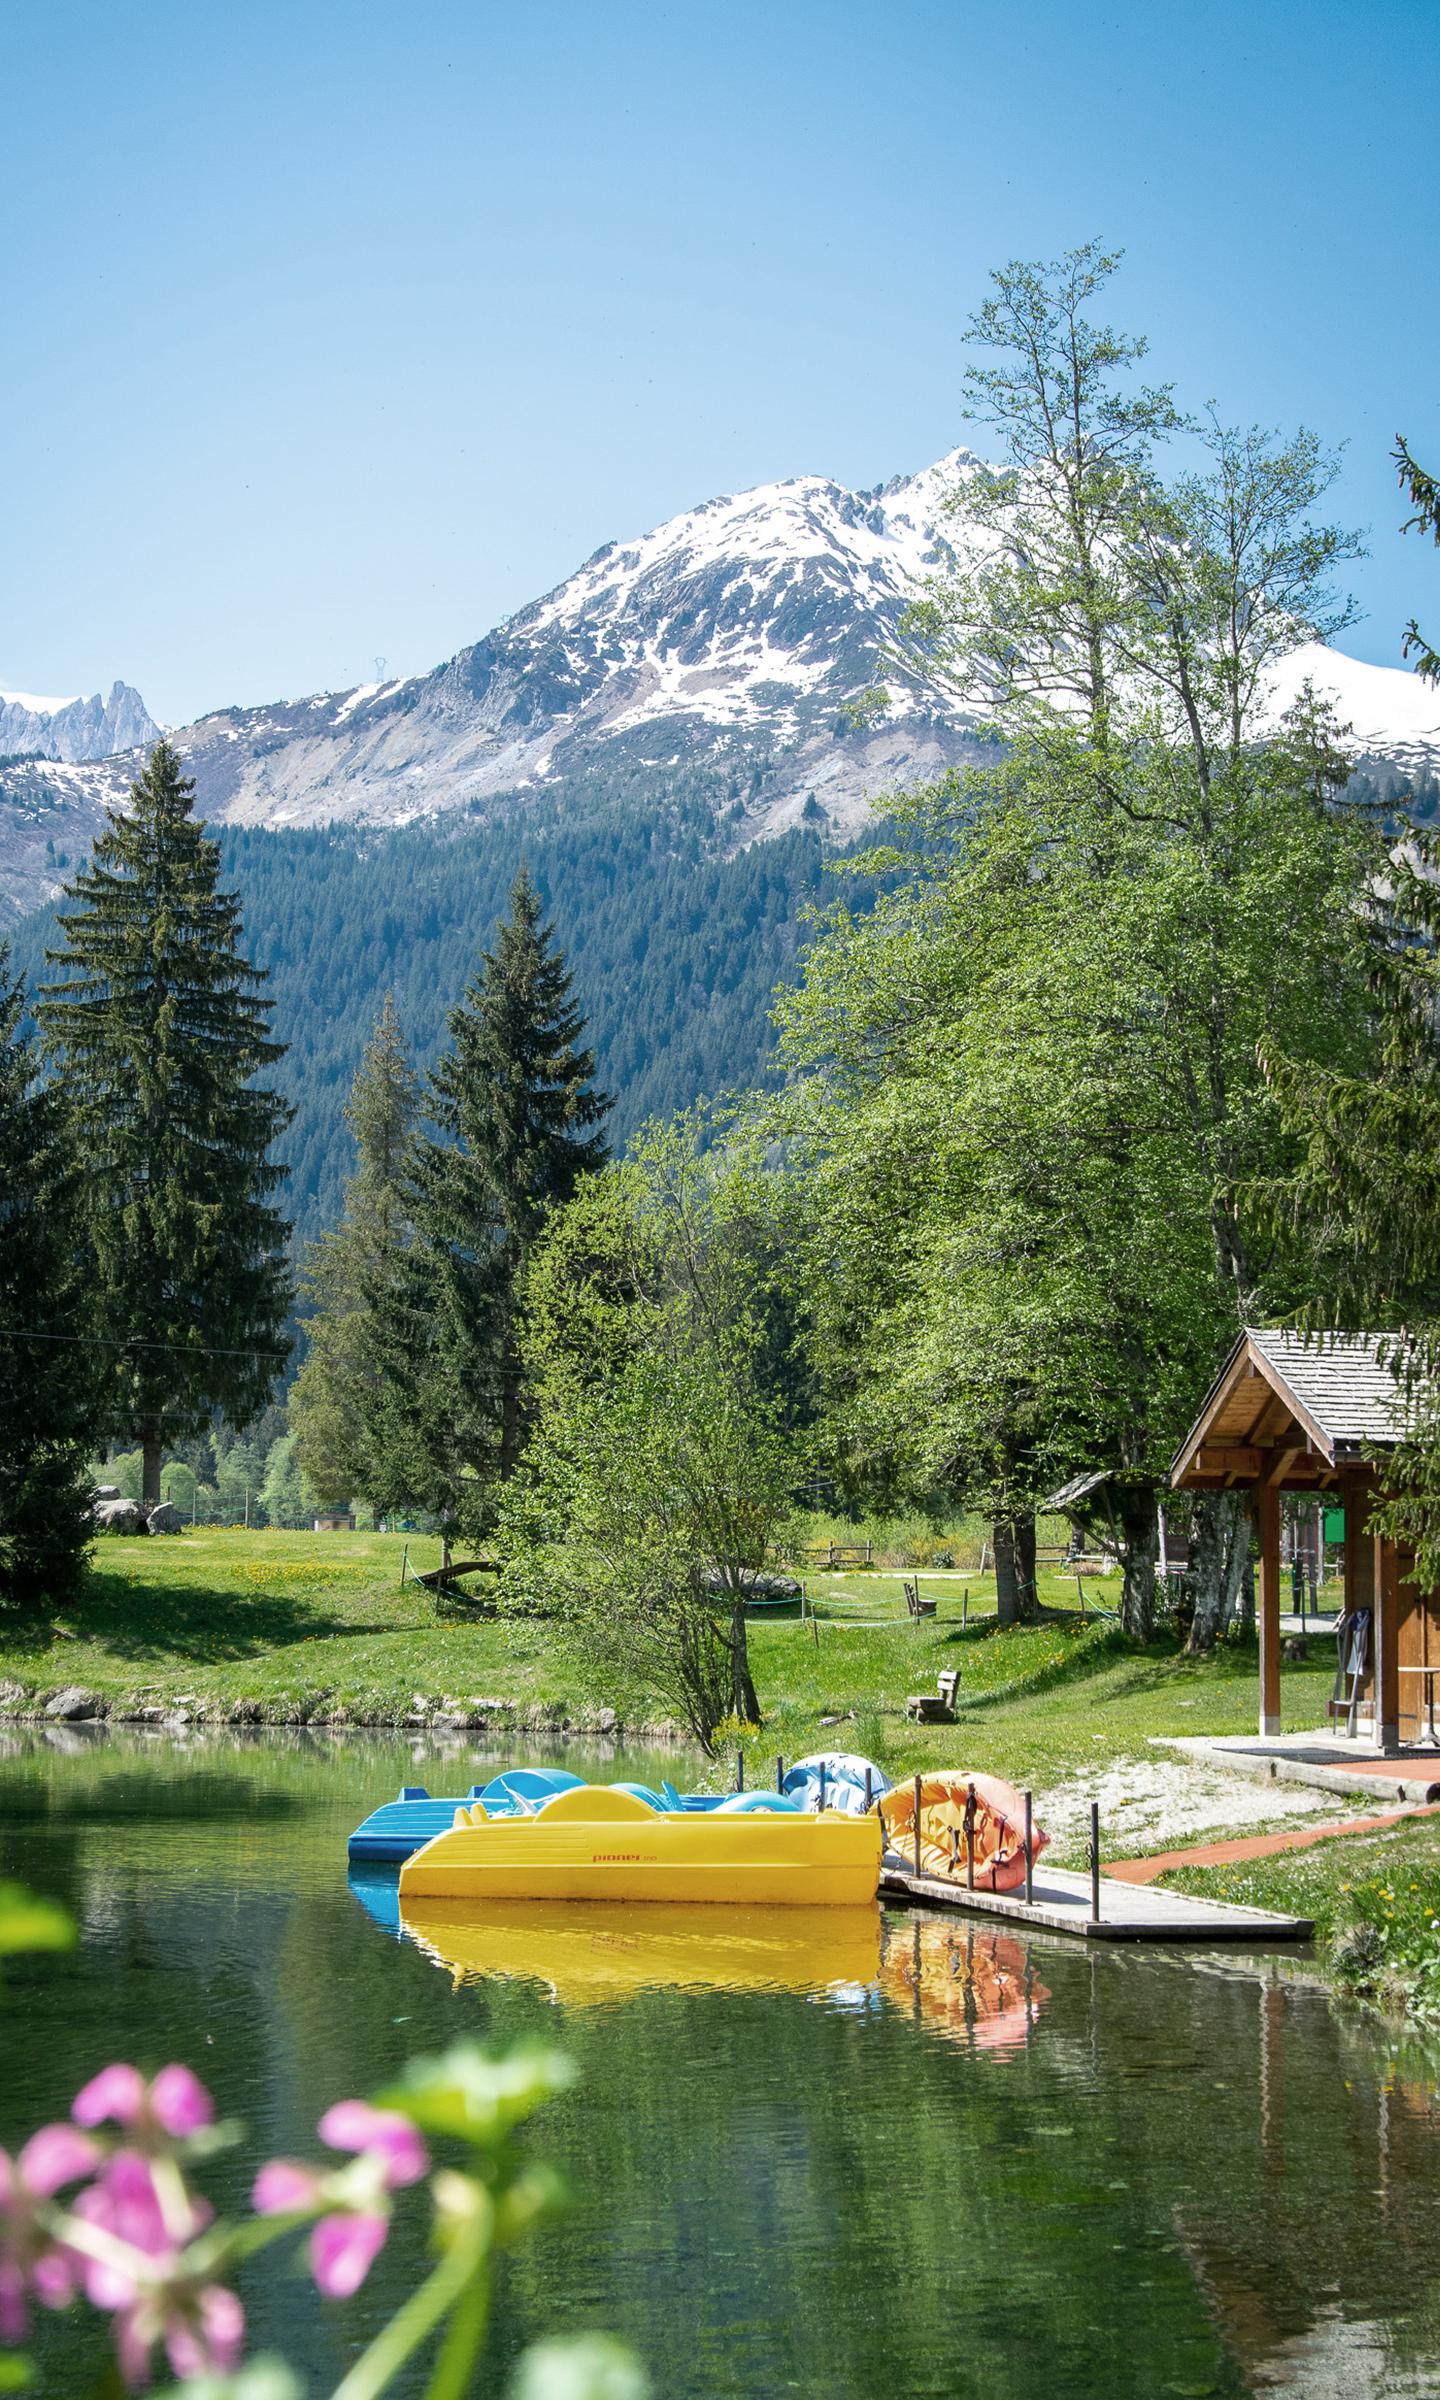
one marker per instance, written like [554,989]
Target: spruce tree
[48,1382]
[514,1104]
[159,1030]
[350,1273]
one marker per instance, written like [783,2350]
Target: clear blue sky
[336,331]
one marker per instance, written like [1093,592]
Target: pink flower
[30,2262]
[125,2202]
[350,2236]
[201,2325]
[383,2134]
[175,2104]
[342,2251]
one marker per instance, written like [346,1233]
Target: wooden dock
[1128,1912]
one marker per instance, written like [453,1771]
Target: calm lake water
[896,2157]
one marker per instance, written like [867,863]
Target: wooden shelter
[1290,1413]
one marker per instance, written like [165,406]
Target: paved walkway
[1253,1845]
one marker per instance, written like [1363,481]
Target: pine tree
[514,1104]
[160,1030]
[47,1372]
[350,1273]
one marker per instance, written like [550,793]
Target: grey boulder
[165,1517]
[73,1703]
[119,1516]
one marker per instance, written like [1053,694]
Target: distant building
[335,1520]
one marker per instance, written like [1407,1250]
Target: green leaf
[593,2367]
[475,2095]
[15,2372]
[30,1923]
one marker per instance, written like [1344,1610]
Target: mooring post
[917,1824]
[970,1838]
[1094,1862]
[1029,1849]
[779,1774]
[869,1790]
[821,1810]
[739,1770]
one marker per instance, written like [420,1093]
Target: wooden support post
[965,1608]
[1387,1645]
[1095,1862]
[1267,1514]
[970,1806]
[739,1770]
[917,1824]
[1029,1849]
[779,1774]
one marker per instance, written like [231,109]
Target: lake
[899,2156]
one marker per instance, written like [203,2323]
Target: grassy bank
[1375,1901]
[304,1626]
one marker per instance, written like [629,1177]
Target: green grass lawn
[309,1624]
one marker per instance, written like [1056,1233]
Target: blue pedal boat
[394,1832]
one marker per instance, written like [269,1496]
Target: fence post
[1094,1862]
[779,1774]
[739,1770]
[965,1608]
[404,1564]
[1030,1849]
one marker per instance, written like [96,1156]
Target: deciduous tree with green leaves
[159,1031]
[1031,1081]
[669,1448]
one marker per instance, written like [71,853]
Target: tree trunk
[1138,1531]
[744,1705]
[1015,1594]
[151,1455]
[1219,1552]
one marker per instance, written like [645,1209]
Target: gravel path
[1154,1804]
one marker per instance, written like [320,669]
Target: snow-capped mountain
[728,640]
[74,728]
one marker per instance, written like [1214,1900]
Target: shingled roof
[1340,1379]
[1333,1392]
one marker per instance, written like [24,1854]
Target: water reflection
[981,2164]
[973,1984]
[584,1952]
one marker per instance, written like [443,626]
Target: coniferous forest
[676,948]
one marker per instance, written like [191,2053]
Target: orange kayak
[998,1829]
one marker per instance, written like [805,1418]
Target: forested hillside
[675,949]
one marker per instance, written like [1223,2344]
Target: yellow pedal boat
[597,1842]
